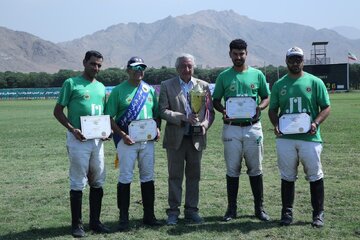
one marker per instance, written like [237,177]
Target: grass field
[34,196]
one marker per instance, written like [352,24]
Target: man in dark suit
[184,146]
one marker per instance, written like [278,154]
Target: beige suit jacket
[172,105]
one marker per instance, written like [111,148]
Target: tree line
[153,76]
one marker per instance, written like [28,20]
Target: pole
[347,71]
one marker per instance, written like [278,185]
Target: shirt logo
[87,95]
[145,88]
[252,86]
[308,89]
[128,98]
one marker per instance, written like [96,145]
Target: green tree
[11,79]
[63,74]
[112,76]
[156,76]
[3,82]
[43,80]
[23,80]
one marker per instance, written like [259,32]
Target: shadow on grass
[38,233]
[47,233]
[216,225]
[211,224]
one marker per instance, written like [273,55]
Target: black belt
[241,124]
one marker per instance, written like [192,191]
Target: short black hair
[91,53]
[238,44]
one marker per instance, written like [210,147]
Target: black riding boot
[256,183]
[95,200]
[287,199]
[123,201]
[232,186]
[317,202]
[77,228]
[148,199]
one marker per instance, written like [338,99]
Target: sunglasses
[137,68]
[295,60]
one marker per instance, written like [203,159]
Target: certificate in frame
[95,127]
[294,123]
[241,107]
[142,130]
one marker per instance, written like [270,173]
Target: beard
[238,62]
[91,74]
[294,69]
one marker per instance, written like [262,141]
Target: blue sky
[64,20]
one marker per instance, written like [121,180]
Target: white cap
[295,51]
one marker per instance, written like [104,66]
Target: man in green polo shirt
[296,93]
[130,101]
[243,137]
[84,96]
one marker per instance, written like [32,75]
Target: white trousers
[86,162]
[243,142]
[291,152]
[128,154]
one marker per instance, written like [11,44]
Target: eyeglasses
[137,68]
[294,60]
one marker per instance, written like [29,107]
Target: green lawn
[34,197]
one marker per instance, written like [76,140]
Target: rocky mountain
[205,34]
[23,52]
[348,32]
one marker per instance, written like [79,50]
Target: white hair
[184,56]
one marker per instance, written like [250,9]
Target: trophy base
[196,130]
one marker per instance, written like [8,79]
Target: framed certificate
[294,123]
[142,130]
[241,107]
[93,127]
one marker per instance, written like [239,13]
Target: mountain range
[205,34]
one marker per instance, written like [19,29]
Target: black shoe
[318,219]
[99,228]
[229,215]
[262,215]
[153,222]
[123,226]
[286,218]
[78,231]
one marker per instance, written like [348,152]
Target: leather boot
[123,201]
[256,183]
[95,200]
[317,202]
[287,199]
[232,186]
[148,199]
[77,228]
